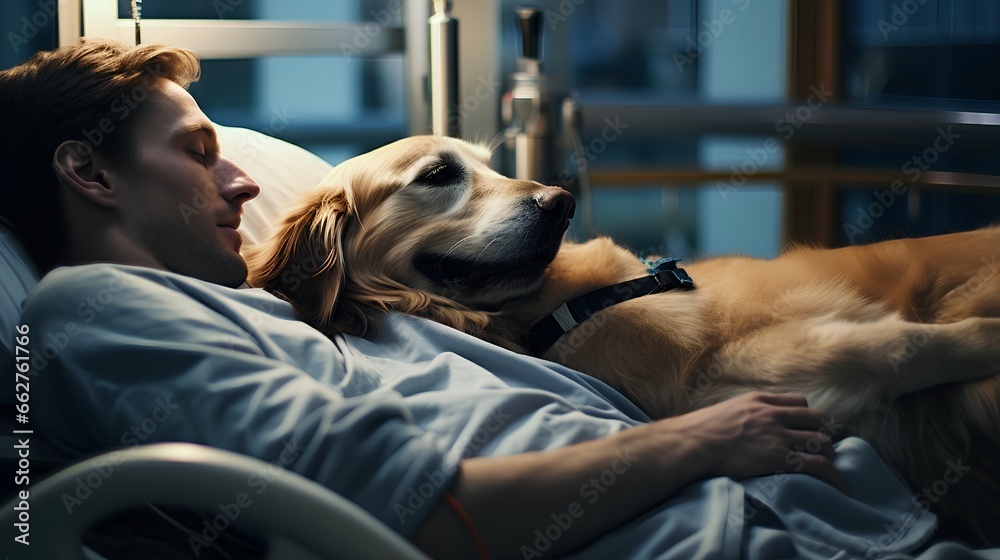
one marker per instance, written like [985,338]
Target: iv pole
[136,16]
[445,118]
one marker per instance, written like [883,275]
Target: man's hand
[762,433]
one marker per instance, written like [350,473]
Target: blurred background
[709,126]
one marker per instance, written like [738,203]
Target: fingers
[796,414]
[779,399]
[821,468]
[811,447]
[776,431]
[800,418]
[821,434]
[814,443]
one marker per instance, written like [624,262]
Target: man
[462,447]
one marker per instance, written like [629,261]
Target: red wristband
[467,521]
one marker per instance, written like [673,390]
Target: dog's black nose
[558,201]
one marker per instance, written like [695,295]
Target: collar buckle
[668,276]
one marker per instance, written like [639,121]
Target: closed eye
[445,172]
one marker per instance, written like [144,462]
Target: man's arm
[509,498]
[143,360]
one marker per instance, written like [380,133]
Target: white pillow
[17,277]
[283,171]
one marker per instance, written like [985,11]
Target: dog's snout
[556,200]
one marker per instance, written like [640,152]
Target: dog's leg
[977,296]
[934,279]
[845,367]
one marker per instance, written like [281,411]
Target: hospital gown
[135,355]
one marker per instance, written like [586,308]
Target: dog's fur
[898,341]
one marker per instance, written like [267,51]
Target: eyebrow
[196,128]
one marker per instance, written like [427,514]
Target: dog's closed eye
[446,171]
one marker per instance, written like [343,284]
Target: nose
[558,201]
[235,185]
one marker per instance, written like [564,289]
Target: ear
[75,165]
[303,262]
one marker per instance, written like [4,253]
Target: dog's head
[417,226]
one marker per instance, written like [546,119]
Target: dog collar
[663,276]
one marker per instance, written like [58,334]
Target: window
[931,55]
[641,69]
[336,105]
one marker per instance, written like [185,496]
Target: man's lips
[230,231]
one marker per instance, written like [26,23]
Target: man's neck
[111,246]
[95,236]
[106,243]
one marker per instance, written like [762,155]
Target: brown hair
[91,92]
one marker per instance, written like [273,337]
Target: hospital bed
[295,518]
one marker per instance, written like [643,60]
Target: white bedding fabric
[384,421]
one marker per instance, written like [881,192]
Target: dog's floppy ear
[303,262]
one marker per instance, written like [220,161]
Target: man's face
[181,199]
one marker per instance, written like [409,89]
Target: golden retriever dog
[896,342]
